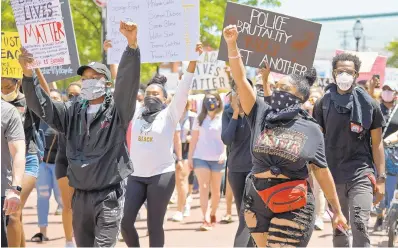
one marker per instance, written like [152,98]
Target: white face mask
[93,89]
[344,81]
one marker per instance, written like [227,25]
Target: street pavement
[185,234]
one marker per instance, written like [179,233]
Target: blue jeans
[32,165]
[46,182]
[391,183]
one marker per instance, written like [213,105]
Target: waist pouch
[285,197]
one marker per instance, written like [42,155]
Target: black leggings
[237,182]
[301,221]
[157,190]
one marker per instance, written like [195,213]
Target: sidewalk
[177,234]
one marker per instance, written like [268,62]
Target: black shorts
[185,150]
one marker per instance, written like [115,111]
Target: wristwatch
[387,143]
[382,177]
[17,189]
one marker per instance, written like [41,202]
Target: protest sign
[172,81]
[371,64]
[41,29]
[210,73]
[168,30]
[286,43]
[323,68]
[392,75]
[10,45]
[60,72]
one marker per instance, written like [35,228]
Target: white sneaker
[326,217]
[177,217]
[70,244]
[319,225]
[187,210]
[189,199]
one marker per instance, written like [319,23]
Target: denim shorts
[32,165]
[211,165]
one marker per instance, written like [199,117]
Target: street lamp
[358,32]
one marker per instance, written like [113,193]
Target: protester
[153,180]
[10,92]
[276,166]
[46,181]
[352,124]
[236,136]
[107,121]
[183,137]
[12,164]
[207,155]
[389,109]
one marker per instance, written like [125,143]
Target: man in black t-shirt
[352,124]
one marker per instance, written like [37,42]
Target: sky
[379,32]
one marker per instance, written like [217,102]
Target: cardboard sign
[60,72]
[392,75]
[286,43]
[42,32]
[210,73]
[168,30]
[10,45]
[371,65]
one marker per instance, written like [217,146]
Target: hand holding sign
[129,30]
[25,60]
[265,71]
[231,34]
[107,45]
[199,48]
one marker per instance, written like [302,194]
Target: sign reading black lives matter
[60,72]
[286,43]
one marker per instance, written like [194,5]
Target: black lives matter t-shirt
[289,147]
[348,156]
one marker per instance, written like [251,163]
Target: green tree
[393,48]
[87,25]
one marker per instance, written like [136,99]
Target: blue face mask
[210,103]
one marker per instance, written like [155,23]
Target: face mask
[210,104]
[387,95]
[153,104]
[93,89]
[281,100]
[344,81]
[10,96]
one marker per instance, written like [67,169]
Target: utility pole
[103,34]
[364,39]
[344,35]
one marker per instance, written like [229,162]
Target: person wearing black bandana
[352,124]
[285,140]
[151,151]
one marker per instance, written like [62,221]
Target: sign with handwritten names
[41,29]
[210,73]
[168,30]
[59,72]
[10,45]
[286,43]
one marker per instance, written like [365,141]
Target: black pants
[267,221]
[97,216]
[4,242]
[237,180]
[157,190]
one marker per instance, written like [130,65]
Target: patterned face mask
[281,100]
[93,88]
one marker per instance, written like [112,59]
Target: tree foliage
[393,48]
[87,25]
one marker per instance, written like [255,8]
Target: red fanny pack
[285,197]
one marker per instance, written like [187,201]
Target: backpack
[38,138]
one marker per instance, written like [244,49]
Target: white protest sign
[172,81]
[41,30]
[209,73]
[391,75]
[168,30]
[367,59]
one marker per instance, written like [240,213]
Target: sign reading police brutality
[210,73]
[59,72]
[286,43]
[10,45]
[41,30]
[168,30]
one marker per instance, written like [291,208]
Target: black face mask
[210,104]
[281,100]
[153,106]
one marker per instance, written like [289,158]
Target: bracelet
[235,57]
[233,50]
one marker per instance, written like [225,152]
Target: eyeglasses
[72,95]
[353,73]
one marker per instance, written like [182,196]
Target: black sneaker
[378,224]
